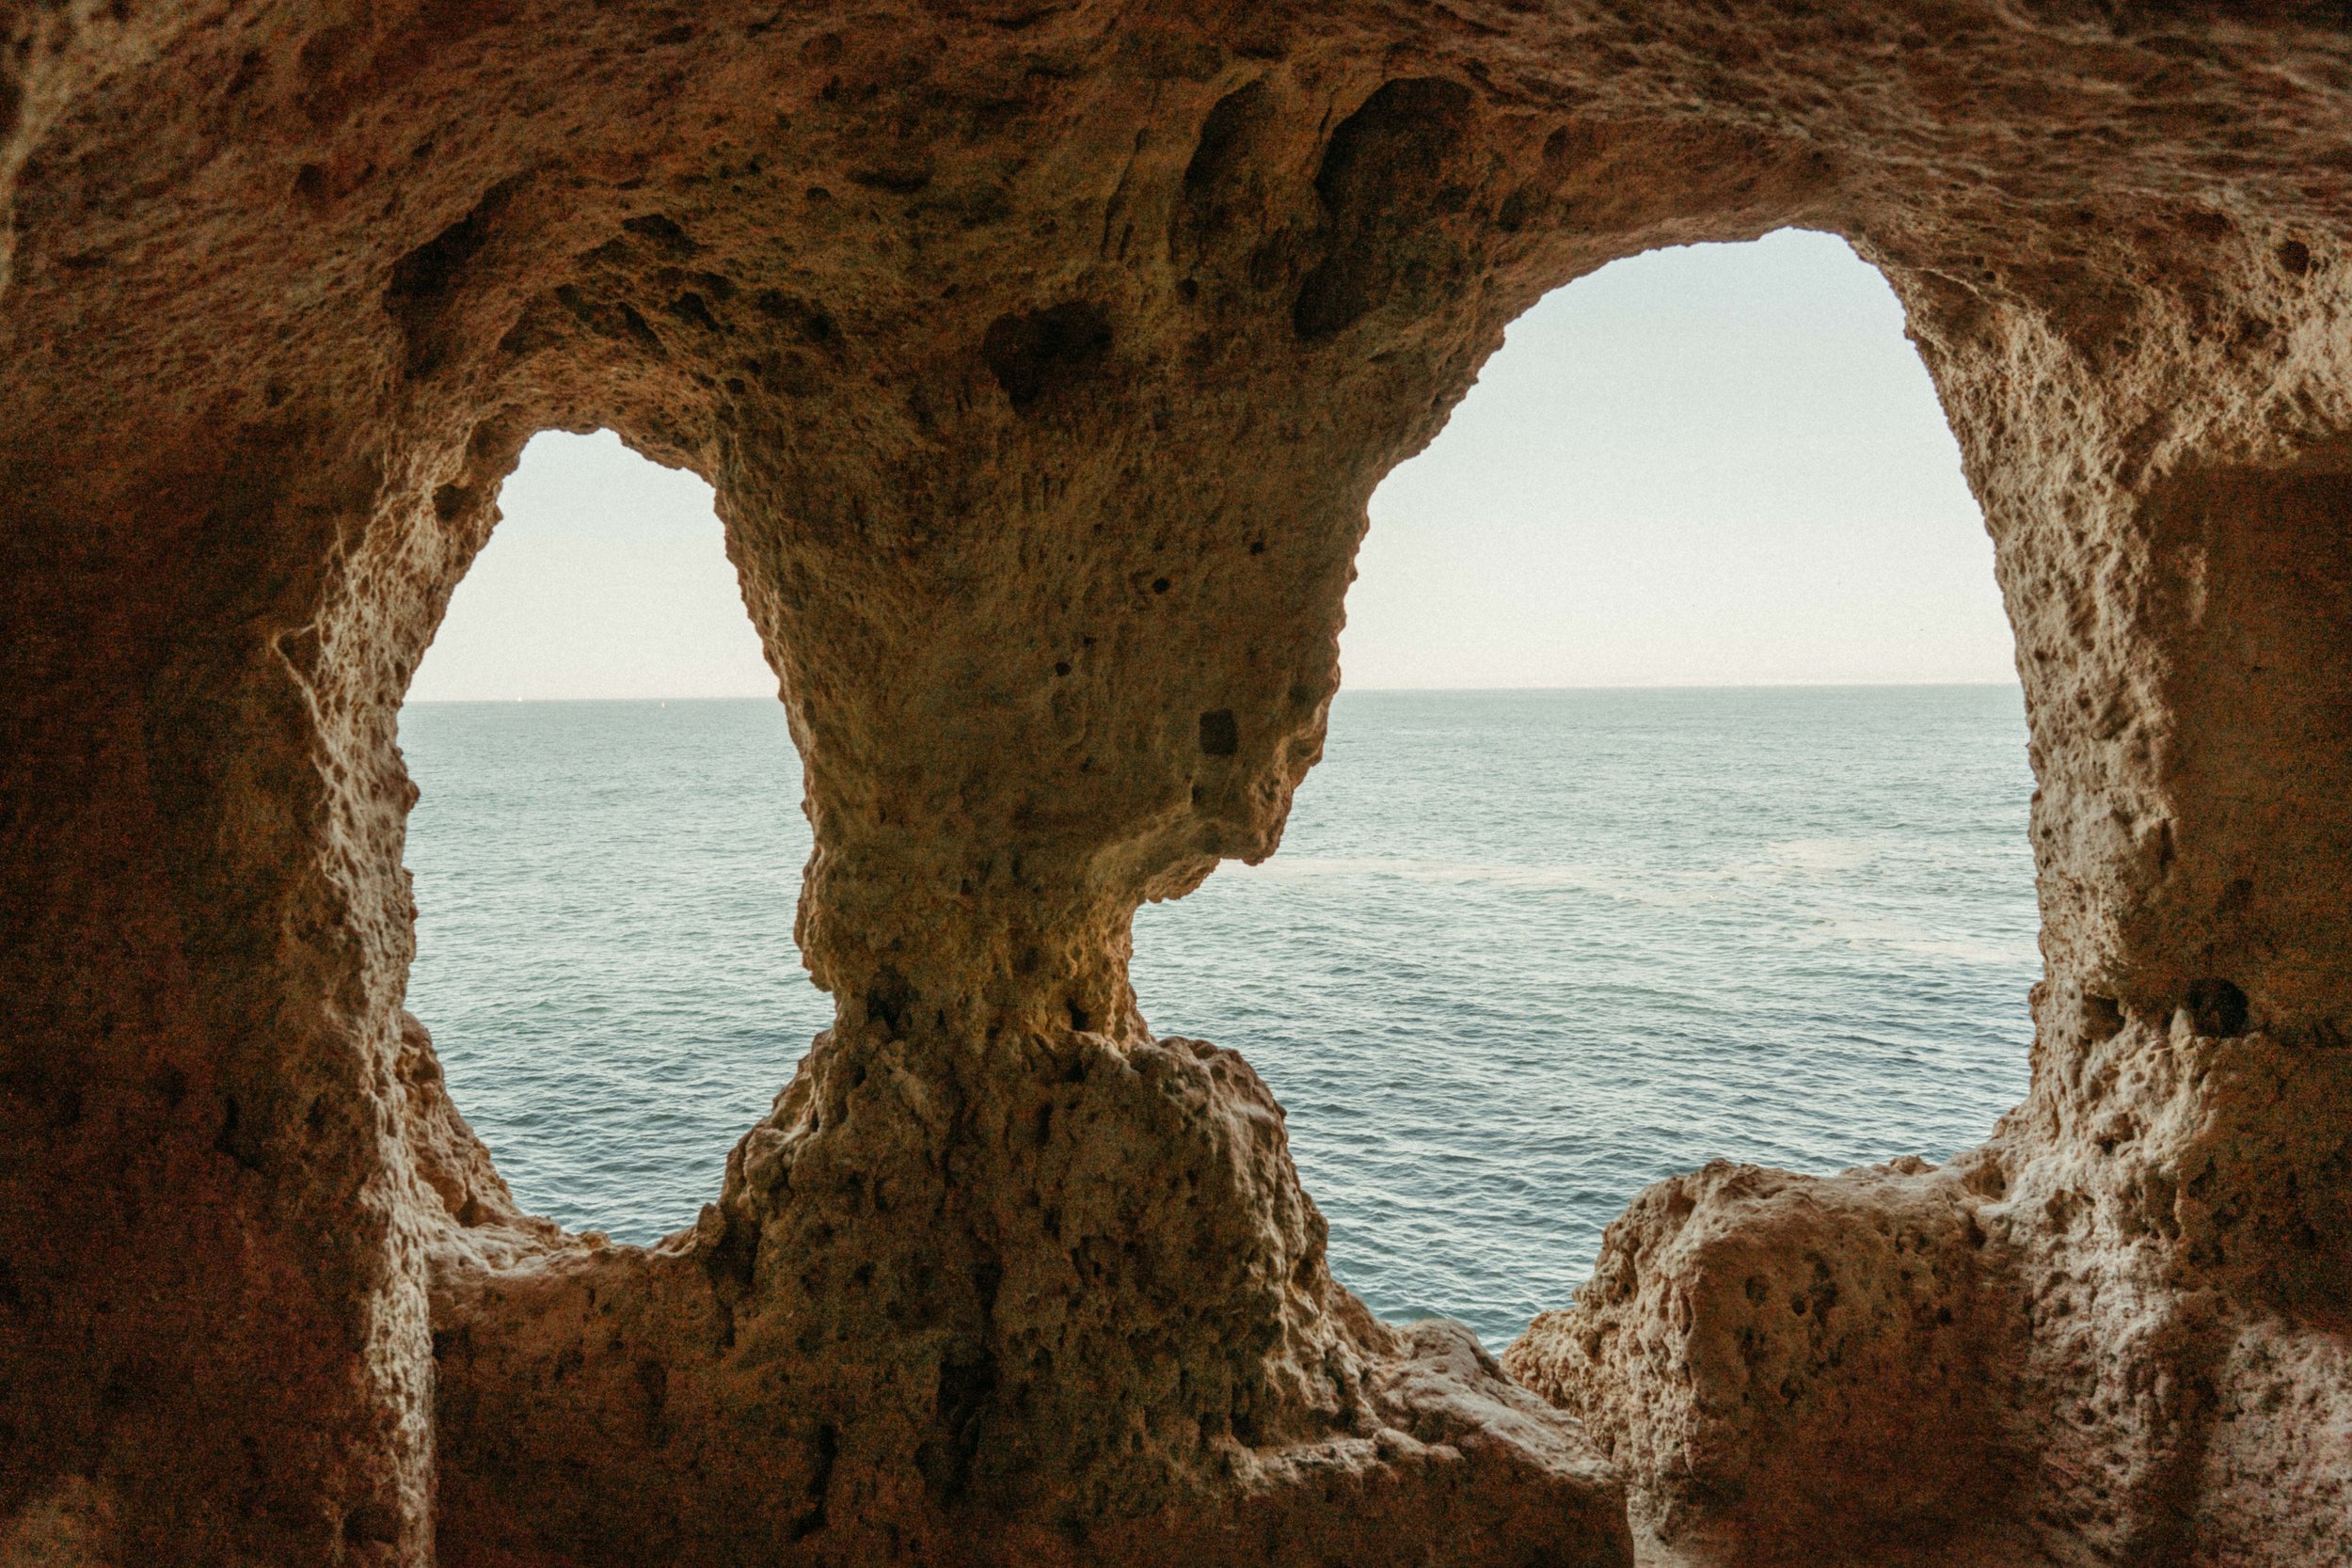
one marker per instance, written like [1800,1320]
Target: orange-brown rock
[1042,355]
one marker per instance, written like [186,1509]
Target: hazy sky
[1720,465]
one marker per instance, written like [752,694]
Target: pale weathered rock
[1042,356]
[1790,1361]
[2115,1333]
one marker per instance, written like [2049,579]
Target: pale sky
[1719,465]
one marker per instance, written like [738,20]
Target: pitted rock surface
[1042,356]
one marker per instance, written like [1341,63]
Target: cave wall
[1043,358]
[2071,1343]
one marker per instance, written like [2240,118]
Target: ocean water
[1521,953]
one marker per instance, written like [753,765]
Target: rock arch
[1043,358]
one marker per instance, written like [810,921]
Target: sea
[1521,953]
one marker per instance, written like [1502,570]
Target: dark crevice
[968,1383]
[828,1447]
[1036,353]
[2217,1009]
[888,1002]
[1220,734]
[426,282]
[1393,168]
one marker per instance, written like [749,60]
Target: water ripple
[1521,954]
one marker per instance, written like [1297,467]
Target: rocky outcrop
[2068,1346]
[906,1309]
[1790,1363]
[1042,357]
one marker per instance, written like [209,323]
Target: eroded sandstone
[1043,358]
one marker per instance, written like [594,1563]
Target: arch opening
[607,847]
[1674,804]
[622,998]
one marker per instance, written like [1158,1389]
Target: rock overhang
[1042,359]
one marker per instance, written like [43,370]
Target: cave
[1043,359]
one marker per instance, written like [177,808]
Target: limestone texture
[1042,355]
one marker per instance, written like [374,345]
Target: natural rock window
[1524,952]
[605,880]
[1652,932]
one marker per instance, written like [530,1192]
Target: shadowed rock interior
[1042,357]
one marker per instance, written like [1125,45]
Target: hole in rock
[607,845]
[1674,806]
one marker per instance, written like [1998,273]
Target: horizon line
[1343,692]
